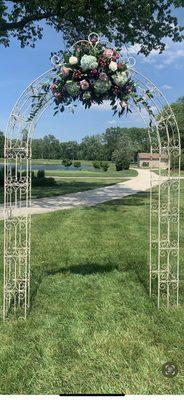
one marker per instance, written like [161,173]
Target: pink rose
[123,104]
[94,40]
[103,76]
[116,55]
[94,72]
[65,71]
[108,53]
[120,65]
[53,86]
[57,94]
[84,84]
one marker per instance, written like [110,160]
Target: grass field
[96,174]
[92,327]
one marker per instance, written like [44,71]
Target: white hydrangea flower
[120,78]
[73,60]
[88,62]
[113,66]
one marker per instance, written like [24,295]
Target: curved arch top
[164,139]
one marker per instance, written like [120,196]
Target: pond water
[58,167]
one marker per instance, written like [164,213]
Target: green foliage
[92,148]
[1,144]
[182,160]
[178,108]
[94,76]
[145,23]
[77,164]
[132,139]
[48,147]
[119,166]
[41,174]
[121,157]
[104,165]
[2,176]
[96,164]
[66,162]
[42,181]
[101,333]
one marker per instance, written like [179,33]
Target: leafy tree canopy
[129,21]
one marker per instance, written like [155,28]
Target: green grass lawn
[85,173]
[92,327]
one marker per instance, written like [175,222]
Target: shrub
[41,174]
[43,181]
[32,174]
[104,165]
[2,176]
[77,164]
[182,161]
[126,164]
[121,158]
[66,162]
[119,166]
[96,164]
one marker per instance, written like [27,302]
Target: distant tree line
[120,145]
[94,147]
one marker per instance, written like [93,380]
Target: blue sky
[19,67]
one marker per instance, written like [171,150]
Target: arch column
[164,196]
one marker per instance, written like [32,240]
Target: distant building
[148,160]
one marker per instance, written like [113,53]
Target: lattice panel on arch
[164,197]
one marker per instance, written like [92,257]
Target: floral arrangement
[92,73]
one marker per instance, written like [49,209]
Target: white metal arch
[164,140]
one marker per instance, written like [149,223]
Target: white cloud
[172,55]
[105,106]
[112,122]
[159,66]
[166,87]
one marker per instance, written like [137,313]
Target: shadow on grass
[59,189]
[141,199]
[140,270]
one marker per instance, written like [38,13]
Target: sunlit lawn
[92,327]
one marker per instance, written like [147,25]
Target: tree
[1,144]
[122,158]
[111,137]
[136,138]
[37,148]
[178,108]
[135,21]
[92,148]
[51,147]
[69,150]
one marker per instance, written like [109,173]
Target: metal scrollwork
[164,141]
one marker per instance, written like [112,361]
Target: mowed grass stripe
[92,327]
